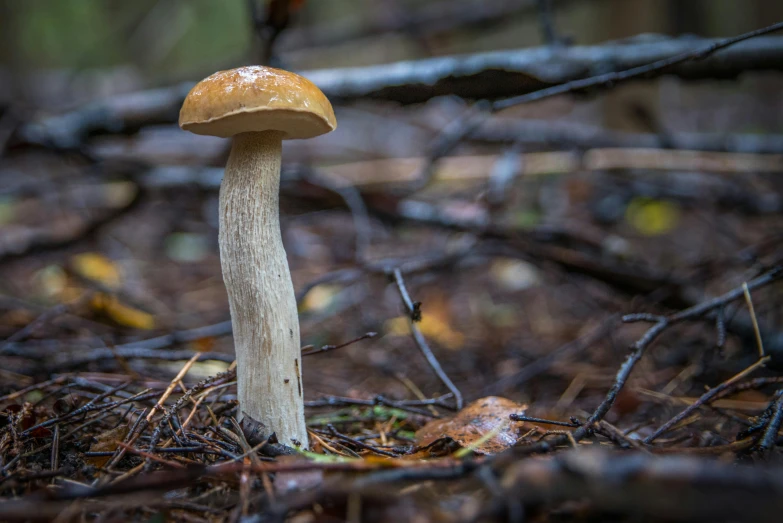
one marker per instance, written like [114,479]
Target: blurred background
[539,226]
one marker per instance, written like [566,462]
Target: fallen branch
[553,133]
[484,75]
[476,168]
[507,73]
[674,488]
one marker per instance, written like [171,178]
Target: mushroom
[259,107]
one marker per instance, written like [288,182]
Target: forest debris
[122,314]
[289,481]
[97,267]
[652,217]
[470,426]
[108,441]
[435,324]
[473,168]
[646,487]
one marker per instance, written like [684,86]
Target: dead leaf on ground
[470,427]
[107,442]
[97,267]
[120,313]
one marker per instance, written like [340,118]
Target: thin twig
[164,397]
[546,22]
[521,417]
[773,427]
[87,407]
[753,319]
[614,78]
[452,136]
[406,405]
[413,307]
[309,350]
[704,399]
[180,403]
[414,312]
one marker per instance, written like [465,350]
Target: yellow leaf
[97,267]
[431,326]
[320,297]
[652,217]
[122,314]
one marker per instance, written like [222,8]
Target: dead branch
[662,323]
[543,133]
[477,168]
[658,66]
[487,75]
[453,134]
[672,487]
[507,73]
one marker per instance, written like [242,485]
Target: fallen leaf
[203,344]
[435,323]
[122,314]
[51,281]
[652,217]
[431,327]
[320,297]
[483,426]
[40,432]
[514,275]
[97,267]
[107,442]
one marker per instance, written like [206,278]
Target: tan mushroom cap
[257,98]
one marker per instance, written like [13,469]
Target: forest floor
[119,399]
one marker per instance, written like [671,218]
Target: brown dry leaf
[107,442]
[474,422]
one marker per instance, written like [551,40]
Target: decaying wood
[485,75]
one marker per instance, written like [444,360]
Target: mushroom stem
[260,291]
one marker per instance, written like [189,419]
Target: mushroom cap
[257,98]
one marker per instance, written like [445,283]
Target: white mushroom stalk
[260,292]
[259,107]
